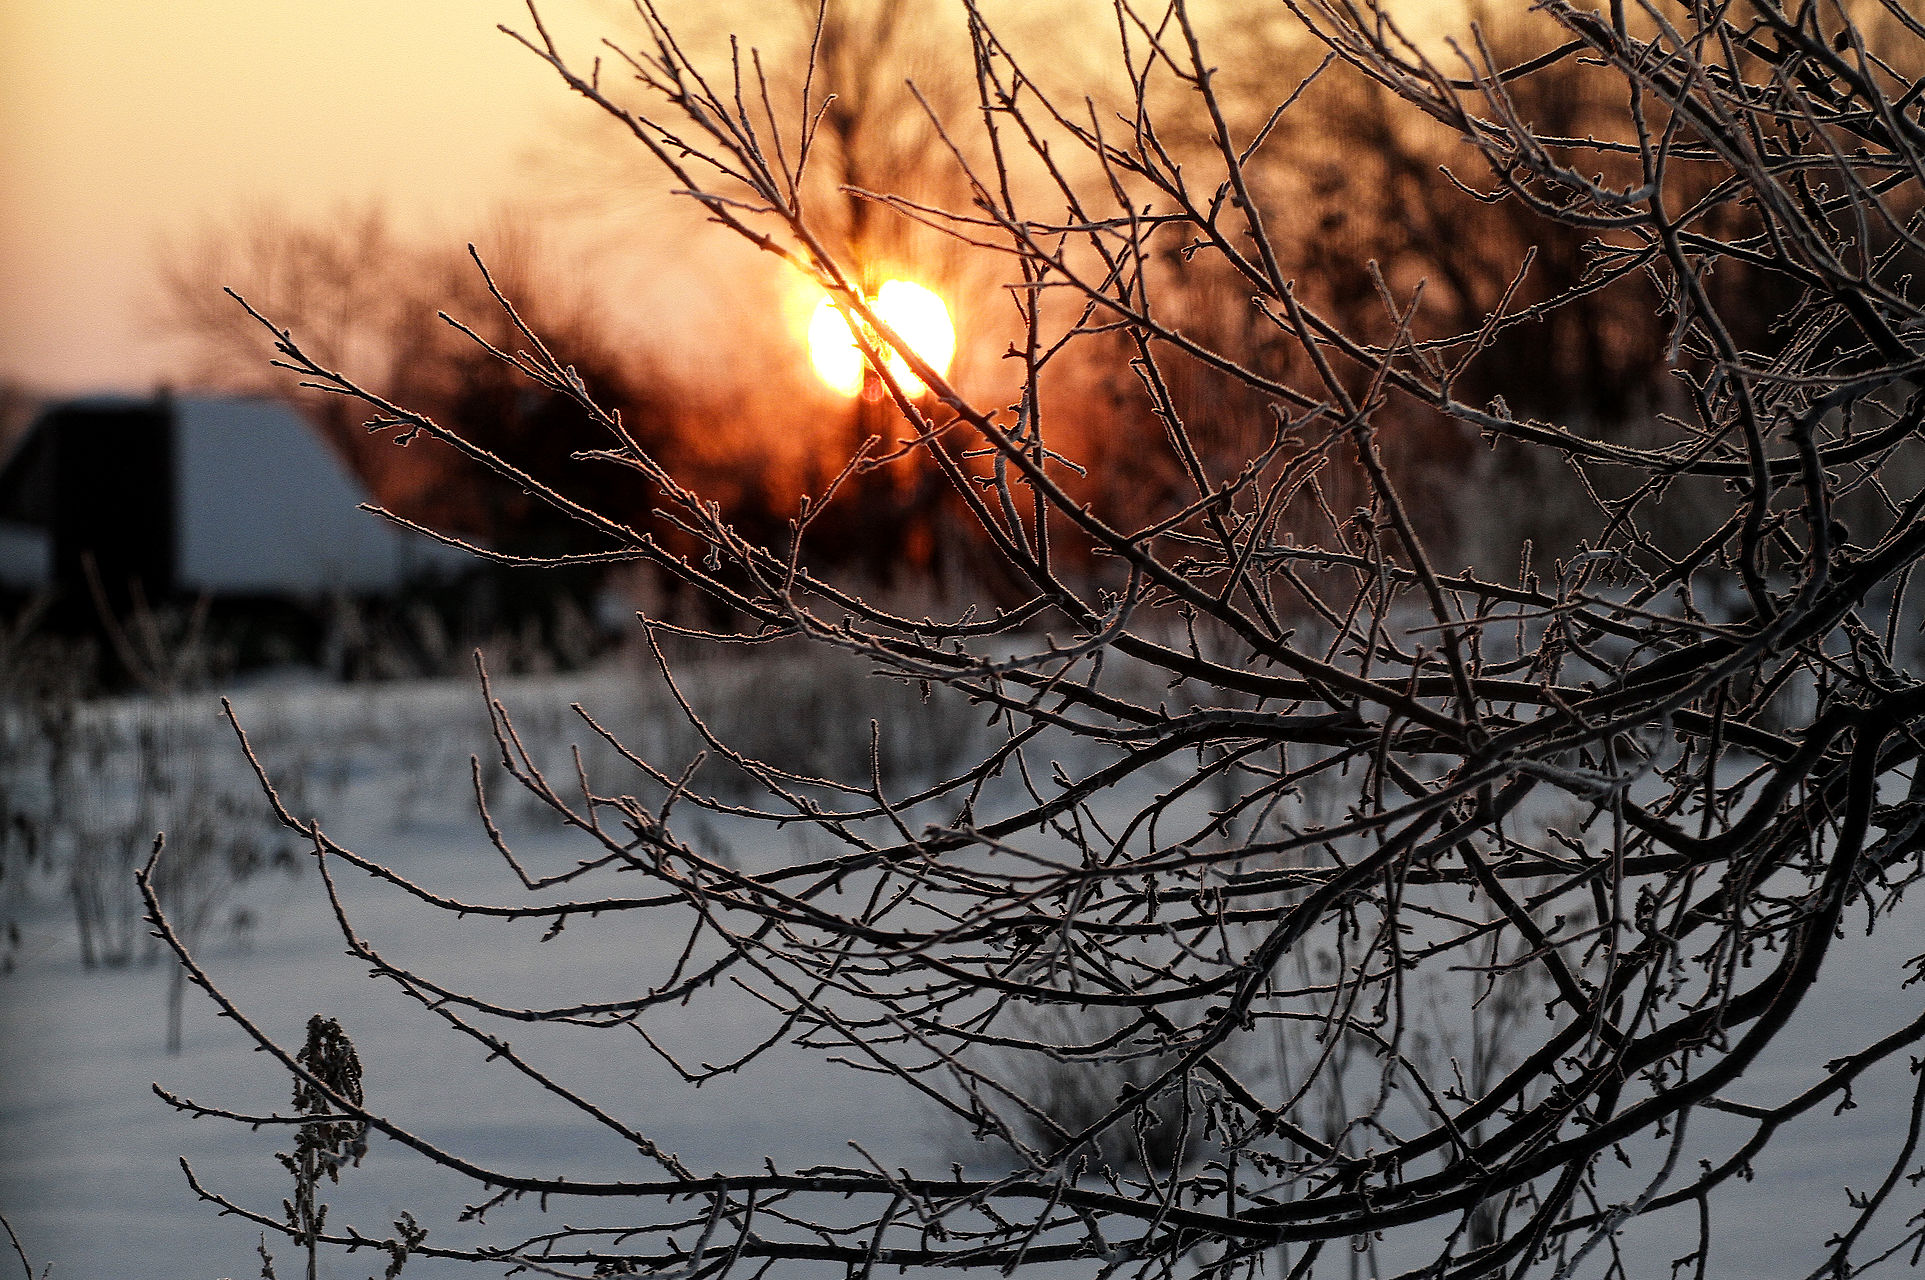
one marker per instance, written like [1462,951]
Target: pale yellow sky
[125,123]
[129,124]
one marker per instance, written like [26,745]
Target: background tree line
[1348,181]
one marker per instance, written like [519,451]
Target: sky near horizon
[127,125]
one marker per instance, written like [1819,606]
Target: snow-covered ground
[89,1171]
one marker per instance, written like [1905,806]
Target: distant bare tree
[368,295]
[1258,803]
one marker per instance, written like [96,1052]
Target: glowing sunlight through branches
[914,312]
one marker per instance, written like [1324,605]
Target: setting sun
[916,313]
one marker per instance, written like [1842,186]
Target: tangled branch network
[1308,901]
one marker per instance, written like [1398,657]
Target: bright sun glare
[914,312]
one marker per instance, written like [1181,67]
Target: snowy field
[90,1159]
[89,1170]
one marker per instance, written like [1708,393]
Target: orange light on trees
[917,315]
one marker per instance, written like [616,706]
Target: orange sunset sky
[127,125]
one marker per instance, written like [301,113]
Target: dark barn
[203,496]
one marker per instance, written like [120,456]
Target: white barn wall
[262,506]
